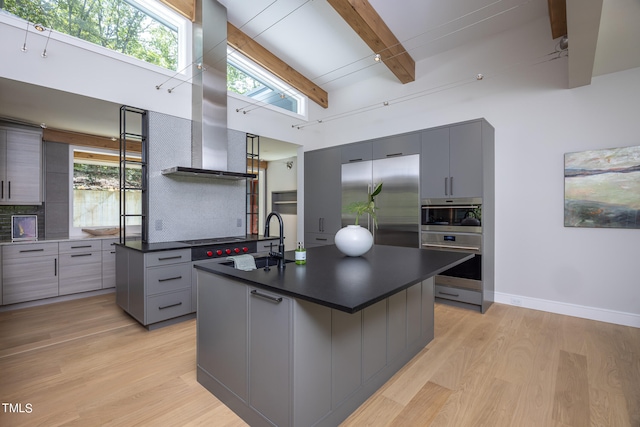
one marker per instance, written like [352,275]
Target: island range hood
[209,139]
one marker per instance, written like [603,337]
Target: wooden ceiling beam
[366,22]
[72,138]
[258,54]
[558,18]
[186,8]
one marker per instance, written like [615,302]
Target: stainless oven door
[467,275]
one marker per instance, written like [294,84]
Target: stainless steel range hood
[209,140]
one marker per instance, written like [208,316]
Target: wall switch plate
[239,222]
[158,224]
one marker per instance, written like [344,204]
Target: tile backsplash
[5,218]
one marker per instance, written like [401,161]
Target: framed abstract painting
[602,188]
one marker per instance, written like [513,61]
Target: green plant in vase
[368,206]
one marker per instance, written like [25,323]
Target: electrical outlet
[516,301]
[239,222]
[158,224]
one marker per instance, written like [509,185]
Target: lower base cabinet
[80,266]
[154,287]
[276,360]
[29,272]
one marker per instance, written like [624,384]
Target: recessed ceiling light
[43,125]
[39,27]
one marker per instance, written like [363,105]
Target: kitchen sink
[261,262]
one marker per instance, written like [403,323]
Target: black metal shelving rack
[133,129]
[253,184]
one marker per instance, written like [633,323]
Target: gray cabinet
[20,167]
[29,272]
[153,287]
[397,145]
[322,196]
[276,360]
[451,163]
[109,263]
[80,266]
[269,361]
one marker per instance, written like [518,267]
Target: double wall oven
[455,225]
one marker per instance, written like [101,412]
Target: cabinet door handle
[77,255]
[31,250]
[170,257]
[170,305]
[451,185]
[446,186]
[9,186]
[2,190]
[355,160]
[447,293]
[55,266]
[265,296]
[170,278]
[394,155]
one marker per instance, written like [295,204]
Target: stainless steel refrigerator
[398,205]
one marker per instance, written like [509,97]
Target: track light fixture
[44,52]
[377,57]
[24,45]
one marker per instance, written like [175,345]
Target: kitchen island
[308,344]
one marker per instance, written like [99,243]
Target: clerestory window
[246,78]
[143,29]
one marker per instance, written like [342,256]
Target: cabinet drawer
[315,239]
[457,294]
[80,258]
[167,279]
[167,306]
[167,257]
[30,250]
[80,246]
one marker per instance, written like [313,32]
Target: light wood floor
[86,363]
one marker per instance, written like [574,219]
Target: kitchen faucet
[280,254]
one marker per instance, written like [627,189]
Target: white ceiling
[312,38]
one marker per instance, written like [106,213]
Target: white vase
[353,240]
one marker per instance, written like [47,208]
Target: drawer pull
[80,247]
[355,160]
[265,296]
[394,155]
[170,278]
[170,257]
[77,255]
[324,239]
[450,294]
[170,305]
[31,250]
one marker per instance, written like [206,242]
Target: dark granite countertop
[169,246]
[349,284]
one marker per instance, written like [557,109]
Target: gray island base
[308,345]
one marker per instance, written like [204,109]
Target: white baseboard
[593,313]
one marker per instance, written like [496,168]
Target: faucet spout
[280,254]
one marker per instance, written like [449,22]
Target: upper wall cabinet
[20,167]
[397,145]
[452,161]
